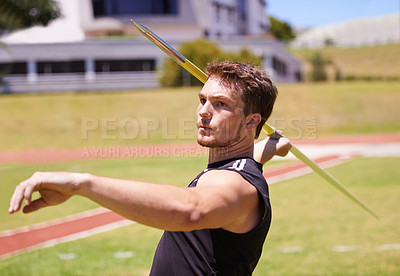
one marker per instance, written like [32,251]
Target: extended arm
[161,206]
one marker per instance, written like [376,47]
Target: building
[183,20]
[95,47]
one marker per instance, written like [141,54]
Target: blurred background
[82,90]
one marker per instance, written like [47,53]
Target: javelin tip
[139,26]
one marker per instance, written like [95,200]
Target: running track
[99,220]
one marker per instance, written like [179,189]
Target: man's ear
[253,120]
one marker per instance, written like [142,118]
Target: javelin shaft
[201,76]
[324,174]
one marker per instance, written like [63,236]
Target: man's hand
[283,147]
[54,188]
[276,144]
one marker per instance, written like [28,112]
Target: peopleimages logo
[128,128]
[182,128]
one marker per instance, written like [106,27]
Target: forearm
[161,206]
[267,148]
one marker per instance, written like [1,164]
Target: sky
[315,13]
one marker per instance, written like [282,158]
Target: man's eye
[221,104]
[202,101]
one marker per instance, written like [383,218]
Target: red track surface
[51,233]
[294,166]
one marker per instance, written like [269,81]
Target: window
[13,68]
[217,8]
[54,67]
[134,7]
[125,65]
[98,8]
[231,15]
[164,7]
[279,66]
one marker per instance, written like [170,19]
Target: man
[217,225]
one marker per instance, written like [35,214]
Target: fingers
[283,147]
[23,191]
[16,199]
[54,188]
[277,134]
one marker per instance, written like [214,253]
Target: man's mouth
[203,127]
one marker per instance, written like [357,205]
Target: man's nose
[205,110]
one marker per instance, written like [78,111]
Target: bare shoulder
[226,178]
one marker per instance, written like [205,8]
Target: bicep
[225,200]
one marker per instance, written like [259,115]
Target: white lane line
[67,256]
[344,248]
[293,249]
[394,246]
[123,254]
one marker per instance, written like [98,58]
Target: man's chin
[211,143]
[203,143]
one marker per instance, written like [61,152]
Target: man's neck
[233,151]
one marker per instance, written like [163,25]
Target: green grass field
[76,120]
[311,220]
[381,61]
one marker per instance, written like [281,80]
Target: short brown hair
[258,91]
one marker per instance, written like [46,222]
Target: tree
[200,52]
[281,30]
[17,14]
[318,72]
[329,42]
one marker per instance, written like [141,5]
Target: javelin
[201,76]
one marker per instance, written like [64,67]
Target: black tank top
[216,251]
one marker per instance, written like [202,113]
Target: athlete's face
[220,117]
